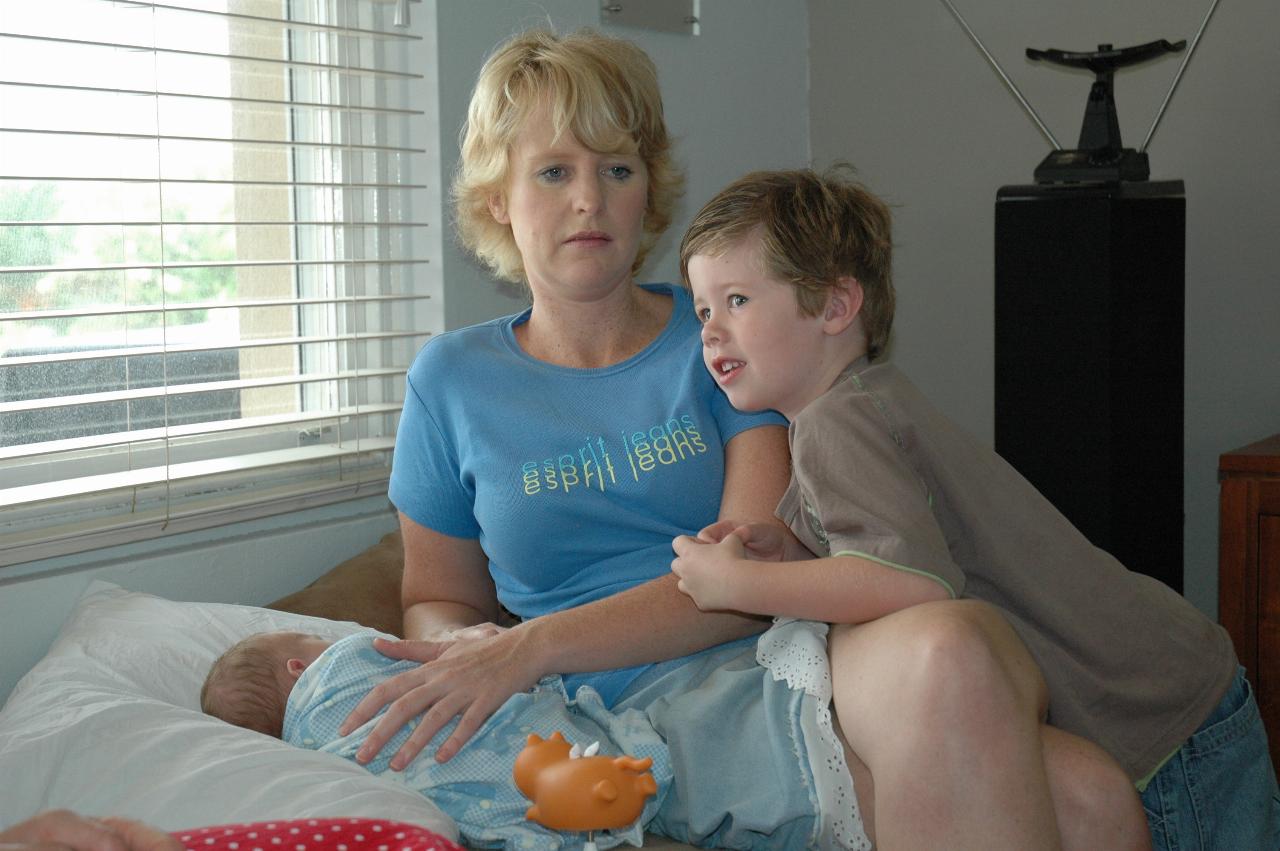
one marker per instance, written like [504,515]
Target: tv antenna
[1098,155]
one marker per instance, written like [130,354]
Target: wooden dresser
[1249,569]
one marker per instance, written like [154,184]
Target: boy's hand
[760,541]
[710,573]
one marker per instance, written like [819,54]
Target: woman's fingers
[399,714]
[471,721]
[432,721]
[385,692]
[466,679]
[416,651]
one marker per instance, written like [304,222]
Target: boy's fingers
[713,533]
[732,541]
[683,544]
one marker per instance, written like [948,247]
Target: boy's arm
[839,589]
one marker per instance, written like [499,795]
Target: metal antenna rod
[1008,82]
[1178,76]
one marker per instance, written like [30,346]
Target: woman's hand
[63,830]
[469,674]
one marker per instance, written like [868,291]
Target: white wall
[731,113]
[899,90]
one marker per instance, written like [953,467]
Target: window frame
[95,520]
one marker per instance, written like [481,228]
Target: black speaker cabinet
[1089,295]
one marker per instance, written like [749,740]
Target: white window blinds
[214,260]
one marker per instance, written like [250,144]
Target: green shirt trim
[1146,781]
[947,585]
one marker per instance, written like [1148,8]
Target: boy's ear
[844,301]
[498,208]
[295,667]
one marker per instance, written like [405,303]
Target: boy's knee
[963,655]
[936,666]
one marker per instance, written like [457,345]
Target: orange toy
[583,793]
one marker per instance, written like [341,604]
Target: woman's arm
[446,583]
[472,678]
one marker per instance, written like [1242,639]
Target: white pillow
[109,723]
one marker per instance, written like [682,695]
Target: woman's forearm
[429,619]
[649,623]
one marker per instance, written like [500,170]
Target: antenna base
[1100,165]
[1099,156]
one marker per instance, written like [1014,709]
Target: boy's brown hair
[814,229]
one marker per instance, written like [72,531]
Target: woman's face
[577,215]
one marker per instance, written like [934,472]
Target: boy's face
[755,342]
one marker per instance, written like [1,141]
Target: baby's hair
[603,90]
[244,687]
[814,229]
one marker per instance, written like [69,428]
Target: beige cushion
[364,589]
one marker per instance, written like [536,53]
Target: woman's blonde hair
[601,89]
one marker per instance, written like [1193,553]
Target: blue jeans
[1219,790]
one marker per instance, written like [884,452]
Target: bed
[108,722]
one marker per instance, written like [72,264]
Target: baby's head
[249,685]
[812,231]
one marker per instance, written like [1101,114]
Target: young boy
[301,687]
[790,274]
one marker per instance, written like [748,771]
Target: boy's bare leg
[1092,803]
[1095,801]
[943,705]
[1096,805]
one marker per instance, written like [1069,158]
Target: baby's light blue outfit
[475,787]
[744,751]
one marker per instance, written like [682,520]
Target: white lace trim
[796,651]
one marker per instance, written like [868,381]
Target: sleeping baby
[301,687]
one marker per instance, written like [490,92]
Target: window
[216,236]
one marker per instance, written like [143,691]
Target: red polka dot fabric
[324,834]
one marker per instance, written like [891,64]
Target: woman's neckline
[627,355]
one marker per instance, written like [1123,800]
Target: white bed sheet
[108,723]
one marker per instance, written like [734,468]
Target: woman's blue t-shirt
[573,480]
